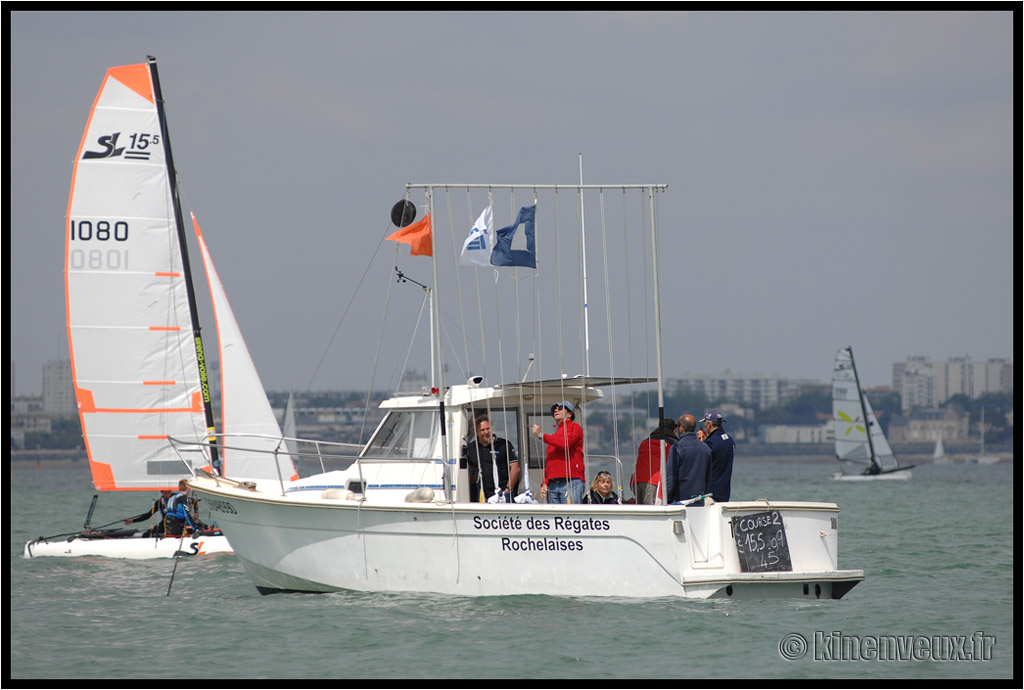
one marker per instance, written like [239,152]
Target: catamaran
[399,514]
[137,355]
[860,441]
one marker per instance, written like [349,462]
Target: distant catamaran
[860,441]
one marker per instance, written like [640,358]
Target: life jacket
[177,507]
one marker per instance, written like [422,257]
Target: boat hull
[314,544]
[132,548]
[895,475]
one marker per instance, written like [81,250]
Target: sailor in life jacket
[180,512]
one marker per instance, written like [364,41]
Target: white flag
[476,250]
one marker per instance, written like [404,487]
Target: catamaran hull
[133,548]
[322,545]
[896,474]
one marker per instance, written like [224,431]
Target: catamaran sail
[137,357]
[858,436]
[250,429]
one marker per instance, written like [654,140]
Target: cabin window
[406,434]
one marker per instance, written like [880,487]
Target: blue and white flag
[476,250]
[517,249]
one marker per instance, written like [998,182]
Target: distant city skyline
[834,178]
[915,369]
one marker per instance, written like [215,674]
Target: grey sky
[834,178]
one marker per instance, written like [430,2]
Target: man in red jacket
[647,476]
[563,464]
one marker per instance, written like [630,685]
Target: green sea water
[937,603]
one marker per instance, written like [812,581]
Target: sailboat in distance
[982,458]
[860,441]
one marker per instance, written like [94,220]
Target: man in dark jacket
[688,465]
[722,449]
[485,453]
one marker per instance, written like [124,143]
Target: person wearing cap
[688,467]
[563,463]
[647,475]
[723,447]
[159,506]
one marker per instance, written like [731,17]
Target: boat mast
[186,266]
[863,409]
[657,329]
[586,305]
[448,459]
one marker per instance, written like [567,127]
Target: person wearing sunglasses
[563,463]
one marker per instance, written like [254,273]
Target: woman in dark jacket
[601,490]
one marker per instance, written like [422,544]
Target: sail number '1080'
[98,257]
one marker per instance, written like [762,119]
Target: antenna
[586,305]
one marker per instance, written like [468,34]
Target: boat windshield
[405,434]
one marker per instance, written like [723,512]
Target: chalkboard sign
[761,542]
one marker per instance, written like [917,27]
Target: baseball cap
[713,416]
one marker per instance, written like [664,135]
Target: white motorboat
[396,517]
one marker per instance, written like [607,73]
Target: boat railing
[334,454]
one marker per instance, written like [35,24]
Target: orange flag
[417,236]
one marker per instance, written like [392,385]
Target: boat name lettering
[497,523]
[221,506]
[576,526]
[547,544]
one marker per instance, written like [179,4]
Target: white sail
[289,429]
[251,433]
[854,419]
[939,454]
[134,354]
[983,458]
